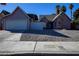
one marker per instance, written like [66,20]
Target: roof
[18,8]
[61,15]
[5,12]
[31,16]
[48,17]
[53,17]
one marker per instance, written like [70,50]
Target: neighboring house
[4,12]
[21,21]
[47,19]
[60,21]
[1,15]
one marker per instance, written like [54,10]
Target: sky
[38,8]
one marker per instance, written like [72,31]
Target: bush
[75,22]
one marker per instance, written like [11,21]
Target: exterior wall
[66,23]
[37,25]
[62,23]
[58,24]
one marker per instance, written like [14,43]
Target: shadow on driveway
[53,33]
[40,32]
[48,32]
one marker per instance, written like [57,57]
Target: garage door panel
[16,25]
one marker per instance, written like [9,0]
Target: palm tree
[71,7]
[57,9]
[63,9]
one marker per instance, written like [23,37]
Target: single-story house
[21,21]
[59,21]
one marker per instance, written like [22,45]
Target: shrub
[76,22]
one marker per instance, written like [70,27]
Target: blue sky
[38,8]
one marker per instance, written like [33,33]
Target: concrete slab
[7,35]
[15,37]
[57,47]
[4,35]
[10,47]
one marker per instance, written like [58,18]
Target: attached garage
[17,21]
[15,25]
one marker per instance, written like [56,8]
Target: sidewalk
[21,47]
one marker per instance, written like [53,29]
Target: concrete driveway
[7,35]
